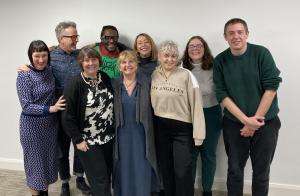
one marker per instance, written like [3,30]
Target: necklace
[127,85]
[166,74]
[93,82]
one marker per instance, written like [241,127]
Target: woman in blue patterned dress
[38,128]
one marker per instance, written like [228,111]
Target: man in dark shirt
[64,65]
[246,80]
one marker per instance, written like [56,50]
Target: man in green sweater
[246,80]
[109,49]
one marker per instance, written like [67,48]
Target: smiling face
[90,66]
[40,60]
[128,67]
[236,35]
[168,60]
[110,39]
[69,39]
[143,46]
[196,50]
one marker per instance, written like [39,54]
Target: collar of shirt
[105,52]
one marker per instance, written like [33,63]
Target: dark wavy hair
[88,52]
[207,59]
[37,46]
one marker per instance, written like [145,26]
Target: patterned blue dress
[38,128]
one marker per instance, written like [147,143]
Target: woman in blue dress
[38,127]
[135,158]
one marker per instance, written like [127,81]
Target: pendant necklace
[93,82]
[128,85]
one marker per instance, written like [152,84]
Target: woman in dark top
[146,50]
[88,119]
[135,158]
[38,124]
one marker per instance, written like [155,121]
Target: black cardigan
[73,116]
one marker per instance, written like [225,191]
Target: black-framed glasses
[73,37]
[107,38]
[198,46]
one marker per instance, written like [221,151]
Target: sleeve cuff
[221,96]
[271,87]
[46,110]
[198,142]
[77,140]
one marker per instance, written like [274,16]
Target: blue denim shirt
[64,67]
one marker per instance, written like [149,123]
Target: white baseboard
[275,189]
[11,164]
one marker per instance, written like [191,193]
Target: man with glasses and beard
[109,49]
[64,65]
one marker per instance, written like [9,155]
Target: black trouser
[97,163]
[64,142]
[174,149]
[260,147]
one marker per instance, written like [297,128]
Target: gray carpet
[12,183]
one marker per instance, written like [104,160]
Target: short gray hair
[169,47]
[62,26]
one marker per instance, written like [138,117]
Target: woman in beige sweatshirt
[180,124]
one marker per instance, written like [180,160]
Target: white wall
[274,25]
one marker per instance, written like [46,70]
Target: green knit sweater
[245,78]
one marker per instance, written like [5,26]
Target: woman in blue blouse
[38,124]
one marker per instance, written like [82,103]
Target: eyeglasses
[107,38]
[198,46]
[73,37]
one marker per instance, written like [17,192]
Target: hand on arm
[263,108]
[51,48]
[254,122]
[59,105]
[247,132]
[23,68]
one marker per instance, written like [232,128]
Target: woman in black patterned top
[88,119]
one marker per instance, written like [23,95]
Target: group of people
[138,119]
